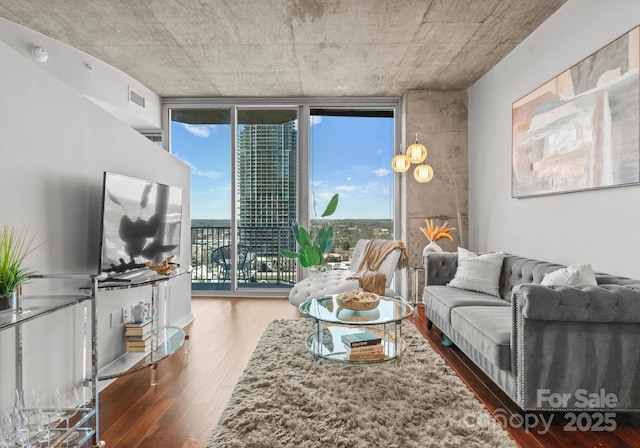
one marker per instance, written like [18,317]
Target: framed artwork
[581,130]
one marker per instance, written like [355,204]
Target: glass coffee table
[331,322]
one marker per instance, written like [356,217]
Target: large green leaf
[289,254]
[303,237]
[324,239]
[295,228]
[331,206]
[311,255]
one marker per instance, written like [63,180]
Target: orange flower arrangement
[434,233]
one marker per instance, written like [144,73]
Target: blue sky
[349,156]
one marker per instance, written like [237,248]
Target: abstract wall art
[581,130]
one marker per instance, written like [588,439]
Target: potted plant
[434,233]
[14,247]
[313,250]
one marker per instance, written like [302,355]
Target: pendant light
[400,163]
[423,173]
[417,152]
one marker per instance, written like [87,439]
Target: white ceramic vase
[431,247]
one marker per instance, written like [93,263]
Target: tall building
[267,179]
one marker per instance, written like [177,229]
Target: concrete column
[440,117]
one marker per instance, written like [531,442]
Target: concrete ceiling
[289,48]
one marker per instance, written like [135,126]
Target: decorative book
[138,346]
[137,337]
[365,349]
[361,338]
[133,325]
[366,356]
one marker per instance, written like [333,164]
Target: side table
[414,272]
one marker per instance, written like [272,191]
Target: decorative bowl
[358,300]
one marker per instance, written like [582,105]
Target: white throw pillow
[480,273]
[574,275]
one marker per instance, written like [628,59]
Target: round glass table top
[326,309]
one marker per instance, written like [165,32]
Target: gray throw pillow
[479,273]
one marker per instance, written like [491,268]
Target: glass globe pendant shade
[423,173]
[400,163]
[417,152]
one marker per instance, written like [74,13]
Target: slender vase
[431,247]
[8,301]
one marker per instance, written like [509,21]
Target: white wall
[54,146]
[598,227]
[105,85]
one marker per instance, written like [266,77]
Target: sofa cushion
[480,273]
[488,330]
[442,299]
[574,275]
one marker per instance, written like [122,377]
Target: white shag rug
[286,399]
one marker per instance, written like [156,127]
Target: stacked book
[137,336]
[363,346]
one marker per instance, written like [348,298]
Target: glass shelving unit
[165,339]
[84,426]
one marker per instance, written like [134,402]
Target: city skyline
[350,156]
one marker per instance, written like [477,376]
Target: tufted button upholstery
[606,303]
[517,270]
[331,282]
[440,268]
[335,282]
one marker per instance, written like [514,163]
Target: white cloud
[316,119]
[318,184]
[347,188]
[215,175]
[381,172]
[199,130]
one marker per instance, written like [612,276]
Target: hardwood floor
[195,384]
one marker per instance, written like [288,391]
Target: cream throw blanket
[375,253]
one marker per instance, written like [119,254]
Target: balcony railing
[259,263]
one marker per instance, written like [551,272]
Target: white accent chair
[335,282]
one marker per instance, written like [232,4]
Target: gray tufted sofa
[537,341]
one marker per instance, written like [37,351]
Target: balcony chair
[221,258]
[335,282]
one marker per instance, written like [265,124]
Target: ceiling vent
[136,98]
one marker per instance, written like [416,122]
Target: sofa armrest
[439,267]
[604,303]
[568,342]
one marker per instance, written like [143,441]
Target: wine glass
[51,409]
[31,422]
[7,426]
[21,433]
[70,400]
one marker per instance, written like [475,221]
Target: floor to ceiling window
[255,169]
[350,151]
[201,138]
[266,195]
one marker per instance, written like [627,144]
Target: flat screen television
[141,222]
